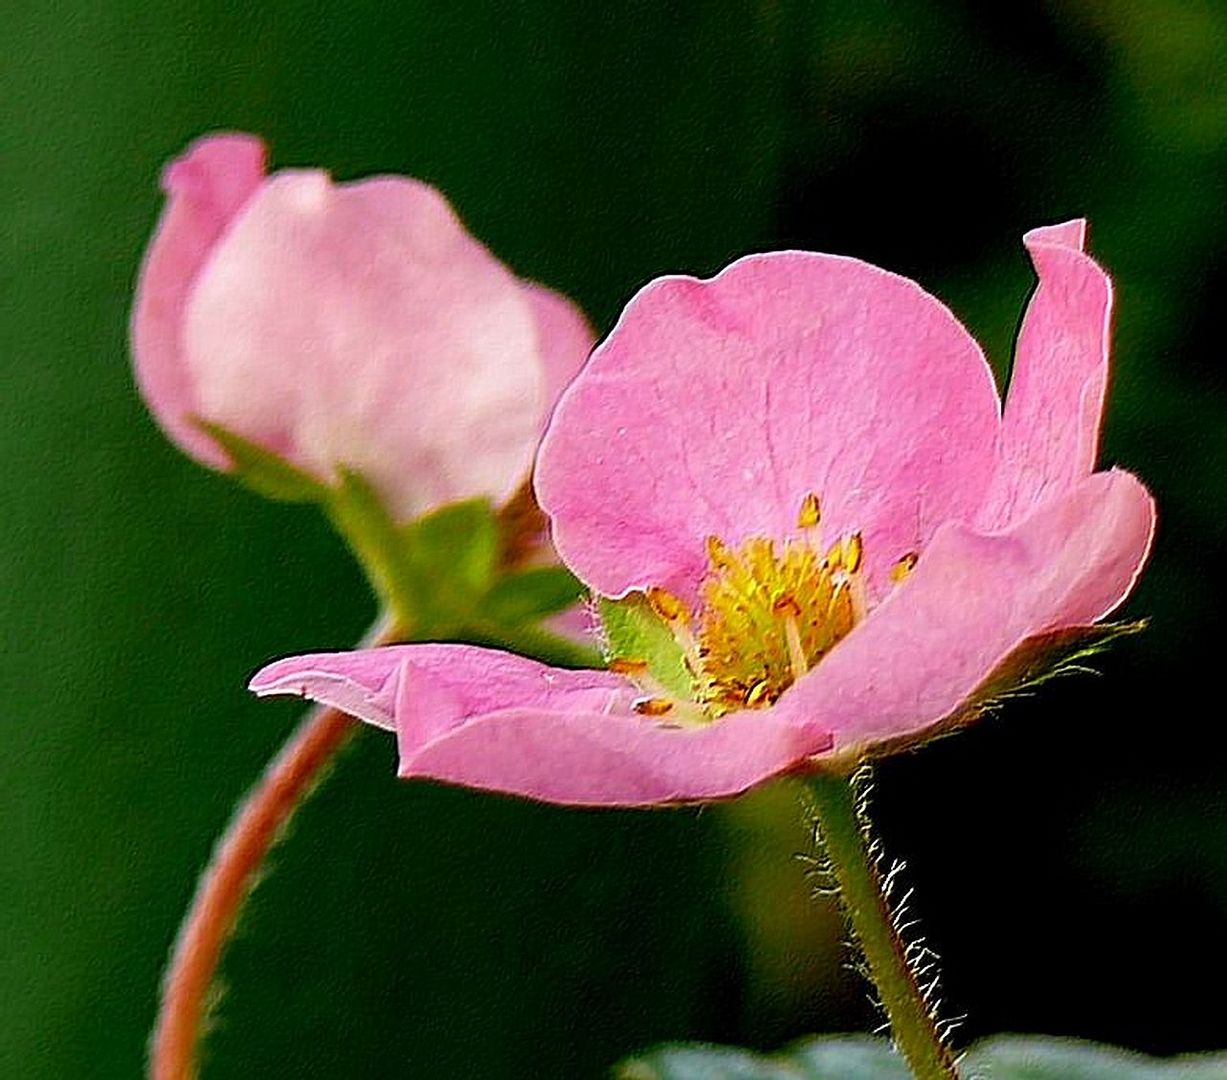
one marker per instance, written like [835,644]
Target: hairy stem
[843,832]
[229,877]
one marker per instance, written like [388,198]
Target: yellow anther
[718,553]
[653,706]
[765,613]
[903,567]
[811,512]
[669,607]
[621,665]
[842,612]
[835,556]
[854,550]
[787,606]
[758,694]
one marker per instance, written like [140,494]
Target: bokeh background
[1069,856]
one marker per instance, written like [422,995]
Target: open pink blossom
[799,472]
[352,325]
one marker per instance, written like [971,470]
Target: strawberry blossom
[796,484]
[354,326]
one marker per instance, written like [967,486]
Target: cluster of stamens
[766,615]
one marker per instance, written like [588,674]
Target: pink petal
[972,599]
[362,682]
[360,325]
[461,680]
[490,720]
[1050,431]
[207,187]
[1069,234]
[716,406]
[564,338]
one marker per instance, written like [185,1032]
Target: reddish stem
[229,878]
[224,886]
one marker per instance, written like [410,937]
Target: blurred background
[1069,856]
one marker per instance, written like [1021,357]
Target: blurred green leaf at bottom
[855,1057]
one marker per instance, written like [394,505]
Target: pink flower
[801,472]
[348,325]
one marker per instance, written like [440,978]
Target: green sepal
[532,594]
[453,552]
[432,572]
[438,574]
[1047,656]
[1034,662]
[857,1057]
[264,472]
[633,631]
[531,641]
[358,515]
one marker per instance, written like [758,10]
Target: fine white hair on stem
[918,955]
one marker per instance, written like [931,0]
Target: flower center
[768,616]
[767,613]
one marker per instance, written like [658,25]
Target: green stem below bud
[233,869]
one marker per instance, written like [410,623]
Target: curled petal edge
[1054,408]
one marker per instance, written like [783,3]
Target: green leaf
[1033,1057]
[263,471]
[525,595]
[854,1057]
[847,1057]
[841,1057]
[635,632]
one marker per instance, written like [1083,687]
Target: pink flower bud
[354,326]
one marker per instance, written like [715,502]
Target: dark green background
[1069,856]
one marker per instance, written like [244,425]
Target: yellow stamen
[787,606]
[757,695]
[854,550]
[718,553]
[669,607]
[620,665]
[835,555]
[767,614]
[900,571]
[842,612]
[811,512]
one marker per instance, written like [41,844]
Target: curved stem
[844,835]
[230,875]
